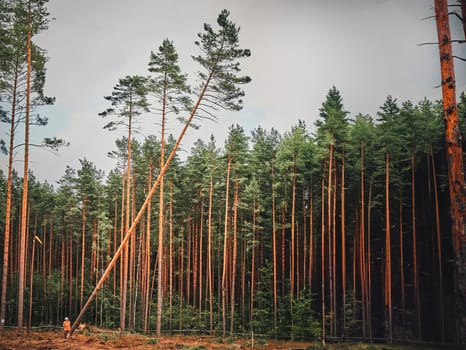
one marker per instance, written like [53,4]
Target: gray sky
[368,49]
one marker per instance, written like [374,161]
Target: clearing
[105,339]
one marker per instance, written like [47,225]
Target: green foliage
[152,341]
[168,84]
[219,54]
[333,127]
[352,314]
[305,324]
[128,100]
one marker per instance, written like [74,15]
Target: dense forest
[339,229]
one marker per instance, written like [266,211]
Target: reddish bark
[454,161]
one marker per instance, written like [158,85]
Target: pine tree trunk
[31,278]
[274,252]
[329,234]
[63,274]
[24,201]
[305,238]
[132,258]
[439,244]
[171,272]
[455,164]
[201,262]
[343,243]
[243,281]
[334,254]
[122,233]
[6,240]
[147,256]
[253,267]
[83,251]
[402,272]
[235,251]
[70,264]
[44,262]
[414,232]
[388,270]
[357,228]
[369,262]
[209,258]
[283,251]
[311,238]
[125,257]
[160,264]
[181,283]
[364,264]
[293,233]
[225,246]
[322,255]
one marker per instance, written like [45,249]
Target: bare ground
[105,339]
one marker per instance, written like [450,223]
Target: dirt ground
[105,339]
[9,340]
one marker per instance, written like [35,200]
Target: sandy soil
[96,339]
[9,340]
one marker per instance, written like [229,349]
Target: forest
[339,229]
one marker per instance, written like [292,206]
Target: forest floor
[102,339]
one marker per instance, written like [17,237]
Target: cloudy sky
[368,49]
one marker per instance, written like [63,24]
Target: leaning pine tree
[219,88]
[128,100]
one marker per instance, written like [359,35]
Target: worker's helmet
[66,318]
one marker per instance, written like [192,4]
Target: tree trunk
[402,271]
[362,233]
[369,262]
[322,255]
[161,231]
[31,276]
[293,233]
[171,272]
[200,254]
[209,257]
[388,263]
[274,252]
[83,250]
[455,163]
[132,262]
[329,233]
[417,302]
[6,243]
[24,206]
[334,253]
[283,251]
[311,238]
[125,257]
[225,246]
[147,256]
[235,251]
[343,242]
[439,245]
[253,266]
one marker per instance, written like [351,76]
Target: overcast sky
[368,49]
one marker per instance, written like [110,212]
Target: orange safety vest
[66,326]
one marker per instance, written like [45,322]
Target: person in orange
[66,327]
